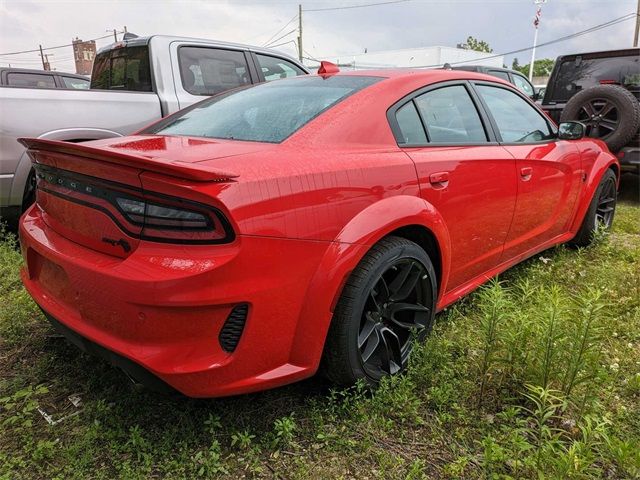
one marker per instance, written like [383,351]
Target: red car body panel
[304,213]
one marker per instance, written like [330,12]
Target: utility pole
[536,22]
[637,32]
[45,60]
[115,35]
[300,32]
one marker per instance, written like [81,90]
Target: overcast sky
[505,24]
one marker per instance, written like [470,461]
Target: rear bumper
[161,309]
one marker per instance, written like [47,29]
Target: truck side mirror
[571,131]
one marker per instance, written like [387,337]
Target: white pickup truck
[134,82]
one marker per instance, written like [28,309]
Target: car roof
[428,75]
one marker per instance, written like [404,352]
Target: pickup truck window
[275,68]
[208,71]
[122,69]
[31,80]
[268,112]
[75,83]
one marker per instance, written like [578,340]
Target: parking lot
[391,239]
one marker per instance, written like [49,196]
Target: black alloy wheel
[387,304]
[600,116]
[606,203]
[394,314]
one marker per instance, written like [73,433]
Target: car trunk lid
[92,193]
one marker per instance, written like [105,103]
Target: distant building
[83,54]
[414,57]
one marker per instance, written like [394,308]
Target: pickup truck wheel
[29,196]
[387,304]
[601,211]
[610,112]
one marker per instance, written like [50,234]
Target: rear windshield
[122,69]
[574,75]
[269,112]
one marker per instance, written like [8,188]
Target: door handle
[439,179]
[525,173]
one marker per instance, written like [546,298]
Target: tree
[541,68]
[477,45]
[515,65]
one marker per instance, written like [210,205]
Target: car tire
[29,196]
[610,112]
[380,315]
[601,211]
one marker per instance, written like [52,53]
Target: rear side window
[208,71]
[75,83]
[268,112]
[31,80]
[517,120]
[276,68]
[122,69]
[410,124]
[450,116]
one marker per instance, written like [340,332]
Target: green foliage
[473,43]
[541,68]
[536,375]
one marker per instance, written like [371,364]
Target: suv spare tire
[610,112]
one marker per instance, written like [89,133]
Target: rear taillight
[140,214]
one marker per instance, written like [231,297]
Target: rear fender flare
[602,163]
[343,255]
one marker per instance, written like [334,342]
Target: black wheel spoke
[405,282]
[391,353]
[366,331]
[420,315]
[606,109]
[372,345]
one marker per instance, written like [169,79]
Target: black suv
[601,90]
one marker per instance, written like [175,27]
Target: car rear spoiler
[174,168]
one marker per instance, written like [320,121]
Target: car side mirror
[571,131]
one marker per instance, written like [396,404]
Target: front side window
[450,116]
[30,80]
[276,68]
[209,71]
[268,112]
[499,74]
[517,120]
[523,85]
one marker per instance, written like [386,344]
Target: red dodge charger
[317,222]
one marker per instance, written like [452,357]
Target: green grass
[537,375]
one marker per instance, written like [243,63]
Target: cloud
[505,24]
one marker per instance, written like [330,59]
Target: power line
[610,23]
[550,42]
[349,7]
[280,38]
[53,48]
[278,32]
